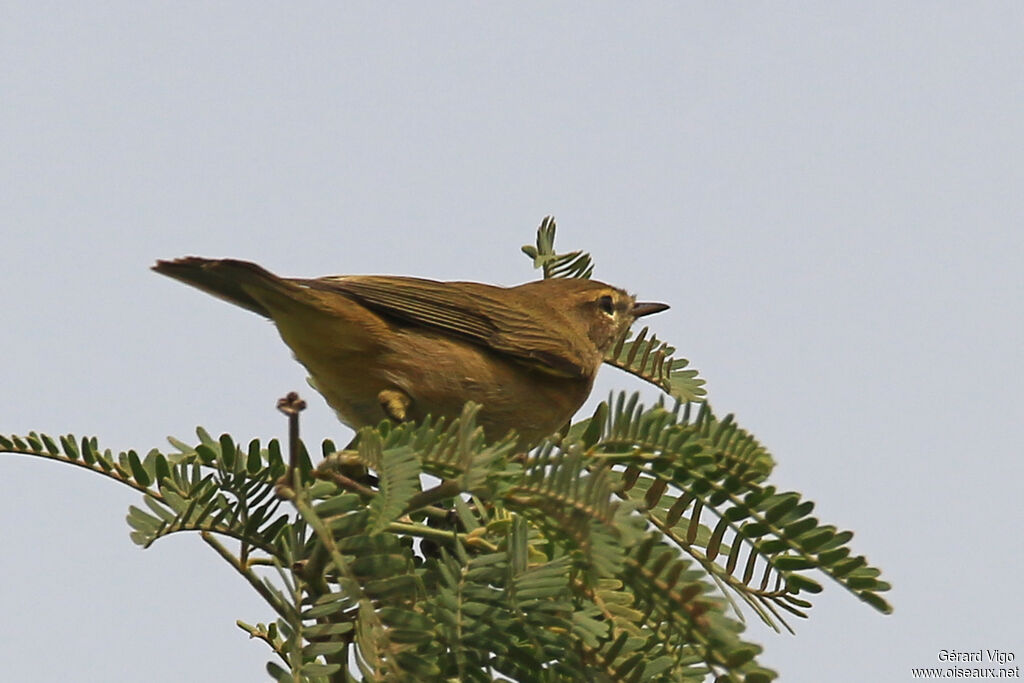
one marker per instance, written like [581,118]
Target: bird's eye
[606,304]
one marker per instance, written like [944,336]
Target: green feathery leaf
[575,264]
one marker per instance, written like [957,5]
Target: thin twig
[446,489]
[291,405]
[253,580]
[347,483]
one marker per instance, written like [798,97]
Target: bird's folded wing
[479,313]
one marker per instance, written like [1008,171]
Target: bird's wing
[479,313]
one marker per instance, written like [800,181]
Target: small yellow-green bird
[403,348]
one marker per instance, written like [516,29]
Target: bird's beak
[641,308]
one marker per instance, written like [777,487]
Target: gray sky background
[829,195]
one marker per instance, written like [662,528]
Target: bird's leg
[395,404]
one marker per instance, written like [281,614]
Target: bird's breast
[440,374]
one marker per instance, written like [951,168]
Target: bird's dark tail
[226,279]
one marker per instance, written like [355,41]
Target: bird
[380,347]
